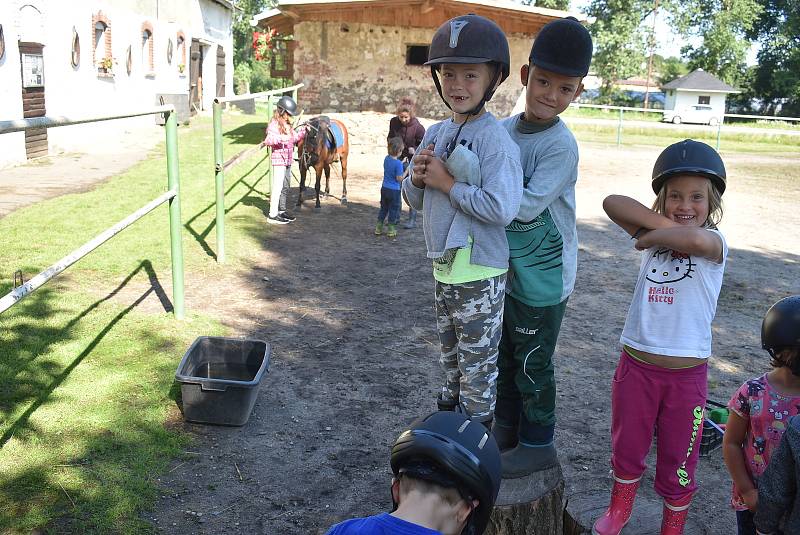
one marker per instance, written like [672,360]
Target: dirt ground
[354,350]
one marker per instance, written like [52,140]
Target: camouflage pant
[469,318]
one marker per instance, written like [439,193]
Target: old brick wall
[359,67]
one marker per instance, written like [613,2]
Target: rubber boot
[674,516]
[412,219]
[446,404]
[379,228]
[392,232]
[619,511]
[506,426]
[535,451]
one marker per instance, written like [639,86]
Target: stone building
[366,54]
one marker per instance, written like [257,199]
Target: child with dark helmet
[468,182]
[759,414]
[661,378]
[446,480]
[543,241]
[281,138]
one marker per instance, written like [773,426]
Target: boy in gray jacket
[468,183]
[778,498]
[544,248]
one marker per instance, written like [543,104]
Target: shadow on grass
[40,390]
[247,134]
[200,236]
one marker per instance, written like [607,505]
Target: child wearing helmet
[282,139]
[661,379]
[446,480]
[543,240]
[468,183]
[759,412]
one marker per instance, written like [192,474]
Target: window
[416,54]
[75,57]
[282,63]
[147,49]
[704,99]
[181,41]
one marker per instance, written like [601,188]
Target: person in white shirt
[660,381]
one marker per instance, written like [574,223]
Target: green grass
[86,376]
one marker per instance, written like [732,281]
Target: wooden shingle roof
[510,16]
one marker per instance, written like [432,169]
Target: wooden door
[32,73]
[220,71]
[195,77]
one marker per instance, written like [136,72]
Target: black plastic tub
[220,378]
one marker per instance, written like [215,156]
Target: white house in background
[93,57]
[698,97]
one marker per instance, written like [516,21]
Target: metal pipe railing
[172,196]
[220,165]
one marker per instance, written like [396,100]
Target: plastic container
[712,432]
[220,378]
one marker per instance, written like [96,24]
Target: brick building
[366,54]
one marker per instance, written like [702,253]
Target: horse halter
[310,156]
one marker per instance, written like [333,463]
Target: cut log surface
[583,508]
[530,505]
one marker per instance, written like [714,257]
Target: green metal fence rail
[221,166]
[172,196]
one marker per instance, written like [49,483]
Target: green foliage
[670,68]
[620,40]
[777,77]
[723,26]
[550,4]
[250,74]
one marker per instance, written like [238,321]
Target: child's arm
[274,137]
[651,229]
[732,440]
[776,486]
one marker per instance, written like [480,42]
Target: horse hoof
[344,200]
[317,209]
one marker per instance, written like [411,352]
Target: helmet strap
[438,85]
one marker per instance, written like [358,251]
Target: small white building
[698,89]
[80,57]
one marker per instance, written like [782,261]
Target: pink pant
[645,397]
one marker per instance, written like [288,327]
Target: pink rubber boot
[619,511]
[674,517]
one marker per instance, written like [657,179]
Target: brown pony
[316,152]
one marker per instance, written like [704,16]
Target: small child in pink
[760,410]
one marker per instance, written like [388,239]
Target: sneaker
[287,215]
[277,220]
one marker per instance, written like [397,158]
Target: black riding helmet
[689,157]
[563,46]
[287,104]
[781,326]
[448,449]
[470,39]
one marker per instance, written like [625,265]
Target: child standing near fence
[390,189]
[761,408]
[660,381]
[282,139]
[468,183]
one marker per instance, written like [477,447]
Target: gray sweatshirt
[777,486]
[480,212]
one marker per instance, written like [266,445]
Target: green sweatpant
[525,362]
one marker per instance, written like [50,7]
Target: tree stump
[530,505]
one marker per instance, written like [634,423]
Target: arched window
[181,41]
[101,44]
[148,61]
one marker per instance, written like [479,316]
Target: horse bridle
[307,155]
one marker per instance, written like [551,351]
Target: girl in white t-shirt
[660,381]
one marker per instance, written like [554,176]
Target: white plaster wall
[686,99]
[77,92]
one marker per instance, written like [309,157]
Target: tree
[669,68]
[723,26]
[551,4]
[776,79]
[620,40]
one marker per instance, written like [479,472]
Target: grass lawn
[86,379]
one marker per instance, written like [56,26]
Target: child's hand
[419,164]
[750,498]
[431,171]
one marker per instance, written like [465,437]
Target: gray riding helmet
[287,104]
[470,39]
[689,157]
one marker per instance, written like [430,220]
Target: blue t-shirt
[392,168]
[382,524]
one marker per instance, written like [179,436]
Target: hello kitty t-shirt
[766,412]
[674,302]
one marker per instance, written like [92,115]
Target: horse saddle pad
[335,136]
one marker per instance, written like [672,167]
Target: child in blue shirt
[390,189]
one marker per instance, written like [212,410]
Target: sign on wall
[32,70]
